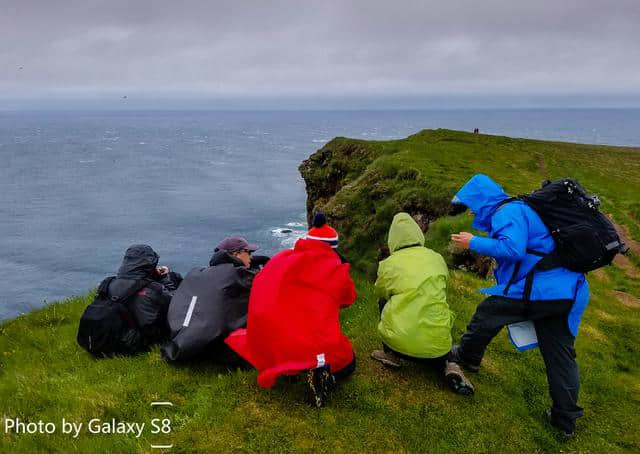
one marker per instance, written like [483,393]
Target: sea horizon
[79,186]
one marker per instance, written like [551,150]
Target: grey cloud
[335,48]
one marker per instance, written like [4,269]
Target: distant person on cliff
[144,290]
[415,320]
[294,325]
[212,302]
[542,311]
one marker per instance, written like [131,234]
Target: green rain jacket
[416,320]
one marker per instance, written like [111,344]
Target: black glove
[258,261]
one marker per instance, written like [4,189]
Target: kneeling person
[415,320]
[293,326]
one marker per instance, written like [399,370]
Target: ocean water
[77,188]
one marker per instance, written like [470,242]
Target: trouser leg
[556,346]
[434,363]
[345,371]
[490,316]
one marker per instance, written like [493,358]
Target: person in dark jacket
[544,314]
[212,302]
[149,305]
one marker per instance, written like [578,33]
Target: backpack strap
[103,288]
[516,269]
[139,285]
[505,201]
[124,310]
[545,264]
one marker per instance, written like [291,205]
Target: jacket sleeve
[348,291]
[509,235]
[170,281]
[382,283]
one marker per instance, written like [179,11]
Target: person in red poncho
[293,325]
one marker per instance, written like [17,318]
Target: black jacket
[149,305]
[210,303]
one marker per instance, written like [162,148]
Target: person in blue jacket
[517,238]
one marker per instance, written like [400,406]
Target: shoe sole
[386,362]
[458,385]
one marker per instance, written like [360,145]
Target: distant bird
[124,97]
[20,67]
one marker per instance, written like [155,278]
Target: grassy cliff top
[362,184]
[45,376]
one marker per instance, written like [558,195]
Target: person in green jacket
[415,320]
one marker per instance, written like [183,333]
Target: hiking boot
[319,382]
[455,357]
[386,358]
[567,430]
[456,379]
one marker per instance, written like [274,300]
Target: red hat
[322,231]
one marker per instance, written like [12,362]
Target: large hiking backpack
[585,238]
[107,327]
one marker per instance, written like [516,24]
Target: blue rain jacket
[514,228]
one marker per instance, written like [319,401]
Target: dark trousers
[344,373]
[434,363]
[554,341]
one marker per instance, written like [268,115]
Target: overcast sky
[365,49]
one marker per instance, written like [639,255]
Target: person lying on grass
[415,320]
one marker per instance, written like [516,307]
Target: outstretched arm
[509,234]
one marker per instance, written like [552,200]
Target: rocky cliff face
[361,185]
[327,170]
[360,188]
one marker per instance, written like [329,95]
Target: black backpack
[107,327]
[585,238]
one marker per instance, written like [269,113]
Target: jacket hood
[305,244]
[404,232]
[482,195]
[221,257]
[139,262]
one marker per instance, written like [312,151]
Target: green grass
[421,173]
[45,376]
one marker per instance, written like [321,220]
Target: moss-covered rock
[362,184]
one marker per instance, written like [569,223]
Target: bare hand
[462,239]
[162,270]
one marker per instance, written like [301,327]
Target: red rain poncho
[294,307]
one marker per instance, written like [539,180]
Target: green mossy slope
[361,184]
[45,376]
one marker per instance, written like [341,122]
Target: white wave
[320,140]
[295,224]
[289,242]
[288,237]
